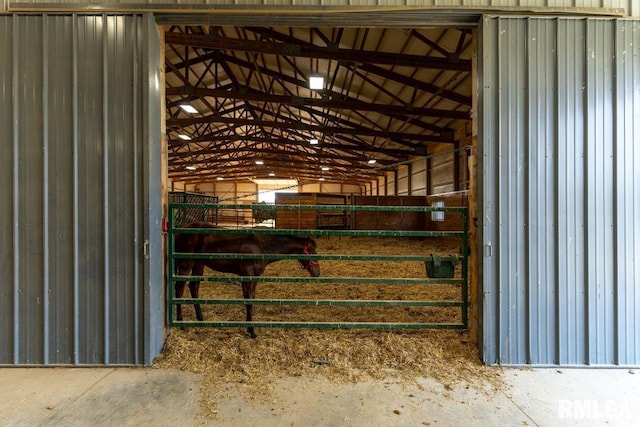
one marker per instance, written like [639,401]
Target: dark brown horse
[239,244]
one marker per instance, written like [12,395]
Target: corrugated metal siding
[561,141]
[71,121]
[631,7]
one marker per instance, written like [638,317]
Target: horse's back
[201,224]
[193,242]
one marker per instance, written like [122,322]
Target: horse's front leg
[182,268]
[249,292]
[179,292]
[194,288]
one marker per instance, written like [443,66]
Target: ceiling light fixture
[272,174]
[313,141]
[320,179]
[191,168]
[325,168]
[184,137]
[259,162]
[371,161]
[220,178]
[316,82]
[188,108]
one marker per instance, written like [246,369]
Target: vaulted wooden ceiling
[389,94]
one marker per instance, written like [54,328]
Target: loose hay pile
[228,356]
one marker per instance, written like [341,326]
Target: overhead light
[220,178]
[259,162]
[320,179]
[188,108]
[272,174]
[371,161]
[184,137]
[191,168]
[325,168]
[316,82]
[313,141]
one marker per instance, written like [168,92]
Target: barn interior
[386,97]
[391,117]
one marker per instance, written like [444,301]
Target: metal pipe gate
[462,302]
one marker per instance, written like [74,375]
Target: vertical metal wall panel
[599,187]
[6,194]
[541,178]
[571,226]
[151,295]
[71,248]
[28,225]
[627,190]
[59,193]
[89,191]
[561,221]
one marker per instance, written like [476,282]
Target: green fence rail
[462,303]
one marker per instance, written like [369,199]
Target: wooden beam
[211,41]
[246,94]
[398,137]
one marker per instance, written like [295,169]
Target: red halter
[312,262]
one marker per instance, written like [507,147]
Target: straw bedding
[226,356]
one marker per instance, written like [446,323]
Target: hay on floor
[228,356]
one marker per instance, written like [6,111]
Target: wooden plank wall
[388,220]
[296,219]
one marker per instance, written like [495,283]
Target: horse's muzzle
[313,267]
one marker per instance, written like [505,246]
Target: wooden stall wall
[330,187]
[363,220]
[309,219]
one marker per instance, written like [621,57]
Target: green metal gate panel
[462,303]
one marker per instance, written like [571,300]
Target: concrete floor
[155,397]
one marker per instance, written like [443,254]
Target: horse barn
[511,127]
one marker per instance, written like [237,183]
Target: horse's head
[311,265]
